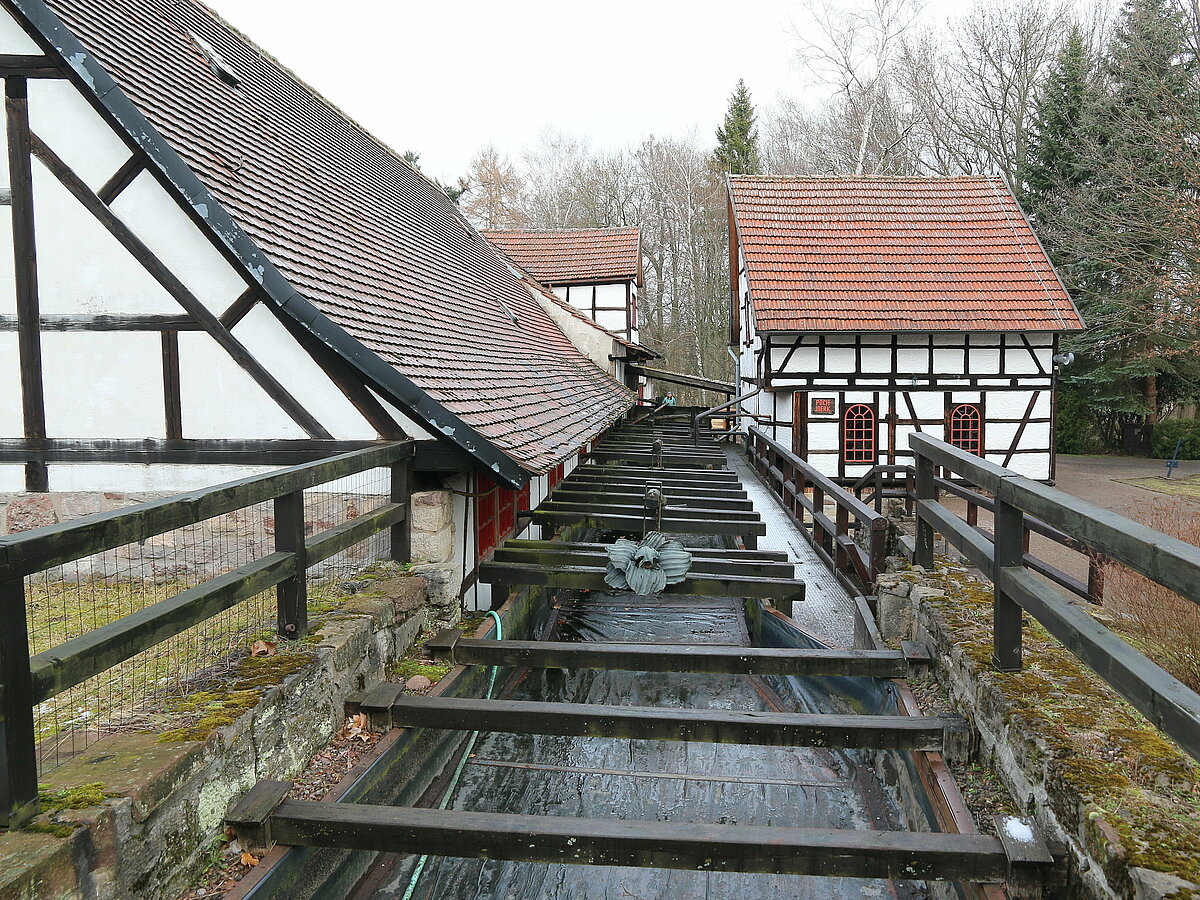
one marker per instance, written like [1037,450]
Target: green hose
[462,764]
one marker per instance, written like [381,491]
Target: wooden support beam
[18,752]
[902,855]
[29,66]
[592,578]
[700,565]
[25,271]
[181,451]
[646,460]
[696,381]
[600,504]
[598,484]
[709,658]
[670,524]
[720,726]
[629,496]
[121,179]
[712,477]
[697,552]
[106,323]
[176,288]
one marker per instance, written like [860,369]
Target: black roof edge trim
[204,209]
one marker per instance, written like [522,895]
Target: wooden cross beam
[616,506]
[591,578]
[599,557]
[719,726]
[697,552]
[264,817]
[627,523]
[450,645]
[629,495]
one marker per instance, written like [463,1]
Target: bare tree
[496,195]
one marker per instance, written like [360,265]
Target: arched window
[858,434]
[966,428]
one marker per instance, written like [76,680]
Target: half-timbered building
[213,271]
[869,308]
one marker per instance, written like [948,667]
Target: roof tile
[573,256]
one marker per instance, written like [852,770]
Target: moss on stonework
[222,705]
[82,797]
[408,668]
[1098,747]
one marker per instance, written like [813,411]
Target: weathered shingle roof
[370,242]
[886,254]
[574,256]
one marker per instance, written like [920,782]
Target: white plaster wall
[154,477]
[4,179]
[220,400]
[13,38]
[283,357]
[410,426]
[12,479]
[82,270]
[8,287]
[613,320]
[588,339]
[611,294]
[11,423]
[61,117]
[103,384]
[157,219]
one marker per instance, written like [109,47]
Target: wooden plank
[1169,704]
[640,488]
[697,381]
[80,658]
[292,593]
[697,552]
[591,578]
[676,510]
[670,524]
[632,496]
[973,544]
[708,475]
[700,565]
[161,273]
[646,460]
[340,537]
[40,548]
[236,311]
[25,271]
[650,723]
[903,855]
[251,816]
[710,658]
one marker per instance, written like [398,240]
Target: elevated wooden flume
[703,497]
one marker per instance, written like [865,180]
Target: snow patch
[1018,830]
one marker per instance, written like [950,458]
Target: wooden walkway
[614,491]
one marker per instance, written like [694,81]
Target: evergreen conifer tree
[737,139]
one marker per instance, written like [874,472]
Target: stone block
[28,511]
[347,639]
[430,511]
[407,592]
[432,547]
[137,766]
[36,867]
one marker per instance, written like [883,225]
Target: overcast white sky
[445,77]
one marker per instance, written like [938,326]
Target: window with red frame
[965,426]
[858,434]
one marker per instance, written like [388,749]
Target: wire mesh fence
[148,691]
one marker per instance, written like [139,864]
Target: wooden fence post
[926,490]
[401,492]
[18,754]
[842,527]
[1009,551]
[292,593]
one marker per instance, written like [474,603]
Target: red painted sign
[822,406]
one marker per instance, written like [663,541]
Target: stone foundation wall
[434,536]
[1095,775]
[151,839]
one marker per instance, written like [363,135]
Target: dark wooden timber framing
[237,310]
[183,452]
[107,323]
[22,66]
[695,381]
[172,399]
[29,341]
[121,179]
[176,288]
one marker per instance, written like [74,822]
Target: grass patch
[1188,487]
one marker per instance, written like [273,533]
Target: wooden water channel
[618,489]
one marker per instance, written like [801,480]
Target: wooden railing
[27,680]
[705,414]
[792,479]
[1175,564]
[898,482]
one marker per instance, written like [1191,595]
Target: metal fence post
[1006,614]
[926,490]
[292,593]
[18,754]
[401,492]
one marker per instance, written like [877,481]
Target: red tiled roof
[574,256]
[366,239]
[888,254]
